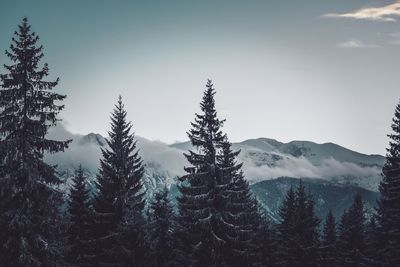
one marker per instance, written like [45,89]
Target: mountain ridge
[267,163]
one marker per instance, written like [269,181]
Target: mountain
[266,158]
[332,173]
[162,163]
[327,195]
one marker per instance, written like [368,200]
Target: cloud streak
[384,13]
[168,161]
[82,151]
[301,167]
[355,43]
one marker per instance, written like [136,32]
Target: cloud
[258,167]
[384,13]
[355,43]
[79,152]
[169,161]
[394,38]
[88,153]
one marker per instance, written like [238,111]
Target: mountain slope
[327,195]
[264,161]
[266,158]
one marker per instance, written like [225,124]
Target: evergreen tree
[298,230]
[28,109]
[372,243]
[118,229]
[307,224]
[265,240]
[203,191]
[388,210]
[79,212]
[351,241]
[286,228]
[161,230]
[241,212]
[329,252]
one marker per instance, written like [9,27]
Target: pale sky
[324,71]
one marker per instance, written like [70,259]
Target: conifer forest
[212,214]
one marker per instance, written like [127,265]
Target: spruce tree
[351,238]
[241,211]
[118,230]
[80,215]
[328,249]
[388,211]
[161,230]
[307,224]
[286,229]
[298,231]
[265,240]
[375,258]
[28,109]
[203,191]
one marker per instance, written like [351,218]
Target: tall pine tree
[241,211]
[203,190]
[118,231]
[80,216]
[388,212]
[298,230]
[328,249]
[28,109]
[352,239]
[161,231]
[375,258]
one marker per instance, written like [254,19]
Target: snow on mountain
[162,163]
[263,159]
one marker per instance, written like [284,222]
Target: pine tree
[79,212]
[307,224]
[241,211]
[203,190]
[372,243]
[118,230]
[265,239]
[298,230]
[161,230]
[286,229]
[329,251]
[388,210]
[351,239]
[27,199]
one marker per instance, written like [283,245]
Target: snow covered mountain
[265,158]
[331,172]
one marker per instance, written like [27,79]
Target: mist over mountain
[262,158]
[332,173]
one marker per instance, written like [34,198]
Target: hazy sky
[325,71]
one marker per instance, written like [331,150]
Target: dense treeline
[217,221]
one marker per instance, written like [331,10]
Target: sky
[321,70]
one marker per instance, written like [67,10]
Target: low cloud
[169,158]
[383,13]
[169,161]
[302,167]
[355,43]
[88,153]
[85,153]
[259,165]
